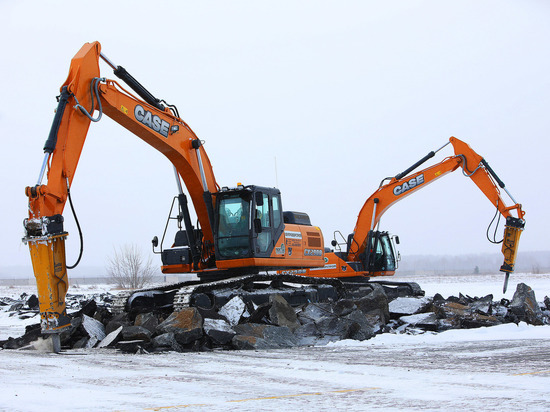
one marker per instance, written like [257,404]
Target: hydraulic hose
[79,229]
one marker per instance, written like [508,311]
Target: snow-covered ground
[479,285]
[10,325]
[506,366]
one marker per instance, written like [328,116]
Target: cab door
[380,255]
[263,225]
[268,223]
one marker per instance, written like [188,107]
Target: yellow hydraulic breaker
[512,232]
[48,261]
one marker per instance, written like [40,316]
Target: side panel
[298,246]
[302,242]
[335,267]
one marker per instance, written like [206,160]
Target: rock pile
[276,324]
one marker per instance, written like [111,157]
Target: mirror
[258,225]
[155,242]
[259,198]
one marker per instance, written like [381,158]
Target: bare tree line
[527,262]
[128,268]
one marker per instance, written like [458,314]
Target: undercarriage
[254,290]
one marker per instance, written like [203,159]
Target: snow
[508,331]
[11,325]
[479,285]
[407,305]
[490,368]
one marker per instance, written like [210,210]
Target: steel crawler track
[254,288]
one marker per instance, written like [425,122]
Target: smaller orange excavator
[370,252]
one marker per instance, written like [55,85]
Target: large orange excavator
[241,231]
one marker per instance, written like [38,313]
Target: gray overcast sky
[340,93]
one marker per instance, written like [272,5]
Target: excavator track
[253,289]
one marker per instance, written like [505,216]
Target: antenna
[276,175]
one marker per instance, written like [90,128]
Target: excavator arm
[405,184]
[83,93]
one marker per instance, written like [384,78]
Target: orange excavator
[240,232]
[370,252]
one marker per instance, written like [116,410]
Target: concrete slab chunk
[233,310]
[407,306]
[110,338]
[94,328]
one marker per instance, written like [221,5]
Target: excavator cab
[251,235]
[380,255]
[248,219]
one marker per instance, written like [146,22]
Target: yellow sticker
[437,173]
[123,109]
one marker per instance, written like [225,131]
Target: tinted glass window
[388,253]
[276,212]
[233,226]
[382,254]
[262,213]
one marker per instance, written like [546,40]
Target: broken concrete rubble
[277,324]
[111,338]
[218,330]
[376,300]
[281,313]
[186,325]
[257,336]
[166,341]
[136,333]
[147,320]
[93,328]
[233,310]
[427,321]
[524,305]
[407,306]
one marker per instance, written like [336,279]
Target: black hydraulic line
[79,231]
[51,142]
[136,86]
[494,240]
[207,196]
[414,166]
[492,172]
[184,209]
[171,107]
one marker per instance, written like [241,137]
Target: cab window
[233,226]
[276,212]
[262,213]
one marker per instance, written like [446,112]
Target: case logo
[151,120]
[415,181]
